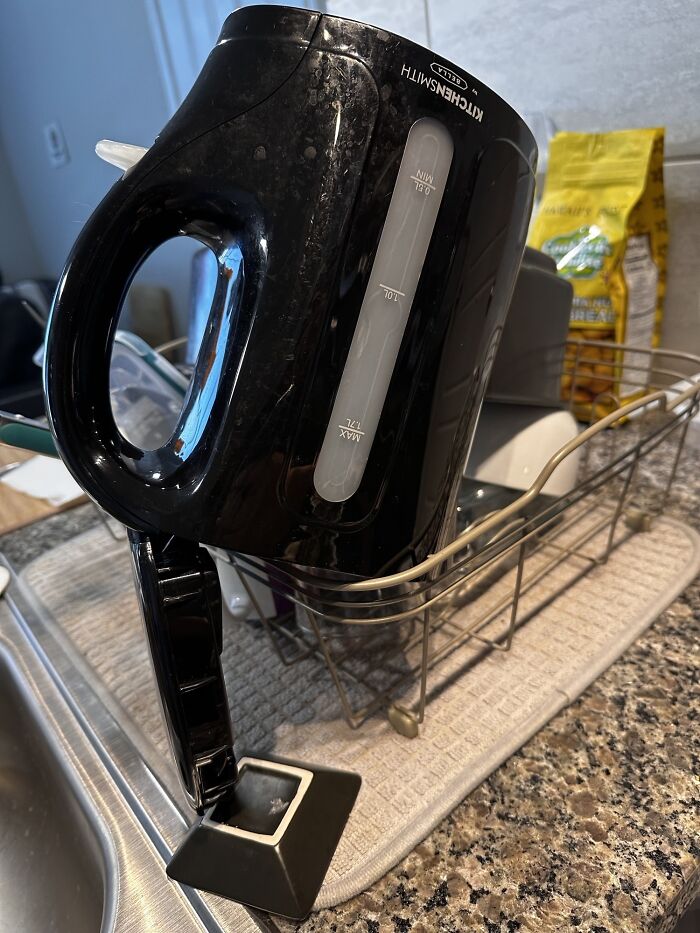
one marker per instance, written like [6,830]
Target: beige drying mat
[480,714]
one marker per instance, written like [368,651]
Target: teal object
[26,434]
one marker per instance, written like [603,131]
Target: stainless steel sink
[86,826]
[53,865]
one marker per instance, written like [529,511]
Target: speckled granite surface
[593,826]
[22,546]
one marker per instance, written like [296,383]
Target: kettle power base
[270,846]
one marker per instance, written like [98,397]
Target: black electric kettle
[367,203]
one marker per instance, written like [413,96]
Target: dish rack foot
[638,520]
[403,721]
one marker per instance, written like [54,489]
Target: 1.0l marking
[392,294]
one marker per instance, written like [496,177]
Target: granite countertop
[594,825]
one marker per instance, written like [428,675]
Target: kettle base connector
[269,843]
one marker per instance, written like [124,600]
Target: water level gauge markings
[351,430]
[392,294]
[423,182]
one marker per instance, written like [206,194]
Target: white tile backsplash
[590,66]
[681,328]
[404,17]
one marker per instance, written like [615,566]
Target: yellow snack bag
[602,219]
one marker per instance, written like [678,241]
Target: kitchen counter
[594,825]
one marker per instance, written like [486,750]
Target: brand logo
[448,75]
[444,90]
[580,254]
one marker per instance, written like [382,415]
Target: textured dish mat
[481,714]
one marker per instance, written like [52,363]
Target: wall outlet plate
[56,144]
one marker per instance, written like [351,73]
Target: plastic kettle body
[367,203]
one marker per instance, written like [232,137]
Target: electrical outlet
[56,144]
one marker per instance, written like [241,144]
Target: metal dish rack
[380,639]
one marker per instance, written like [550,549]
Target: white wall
[91,65]
[19,258]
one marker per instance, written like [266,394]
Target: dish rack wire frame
[433,596]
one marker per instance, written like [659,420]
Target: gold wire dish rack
[382,639]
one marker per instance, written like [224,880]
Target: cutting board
[18,509]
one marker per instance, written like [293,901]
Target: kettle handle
[137,216]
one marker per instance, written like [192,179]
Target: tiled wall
[589,66]
[682,315]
